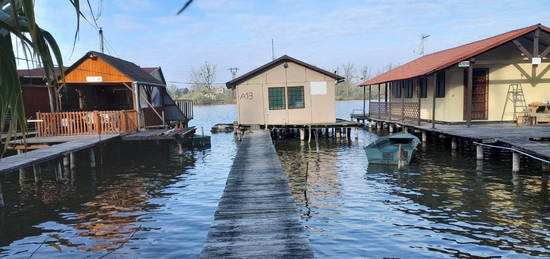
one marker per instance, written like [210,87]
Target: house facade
[482,81]
[285,91]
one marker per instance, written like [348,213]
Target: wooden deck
[158,134]
[12,163]
[257,215]
[522,138]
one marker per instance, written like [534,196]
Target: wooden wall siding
[86,123]
[95,67]
[35,99]
[150,117]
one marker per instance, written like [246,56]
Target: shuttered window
[396,89]
[408,88]
[440,90]
[276,98]
[423,84]
[295,97]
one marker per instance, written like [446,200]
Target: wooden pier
[257,215]
[529,141]
[38,156]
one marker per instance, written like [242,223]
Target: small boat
[393,149]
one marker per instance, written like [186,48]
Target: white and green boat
[395,149]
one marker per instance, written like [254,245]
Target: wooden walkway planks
[11,163]
[257,215]
[518,137]
[158,134]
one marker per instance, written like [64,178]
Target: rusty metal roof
[443,59]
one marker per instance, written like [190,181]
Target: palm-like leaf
[18,24]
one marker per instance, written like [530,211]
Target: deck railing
[186,107]
[395,110]
[86,123]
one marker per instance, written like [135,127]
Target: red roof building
[435,87]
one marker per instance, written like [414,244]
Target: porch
[86,123]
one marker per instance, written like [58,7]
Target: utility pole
[272,49]
[233,71]
[101,45]
[423,37]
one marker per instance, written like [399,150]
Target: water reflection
[444,204]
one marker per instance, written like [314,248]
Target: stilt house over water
[286,91]
[501,78]
[105,94]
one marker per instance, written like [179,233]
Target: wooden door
[480,93]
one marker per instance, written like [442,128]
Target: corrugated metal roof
[274,63]
[445,58]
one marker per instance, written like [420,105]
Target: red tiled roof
[445,58]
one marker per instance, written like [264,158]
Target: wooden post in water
[92,158]
[453,144]
[2,202]
[479,152]
[302,134]
[356,133]
[37,174]
[515,162]
[72,160]
[424,137]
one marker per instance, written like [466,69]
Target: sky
[238,33]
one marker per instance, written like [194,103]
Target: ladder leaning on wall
[517,98]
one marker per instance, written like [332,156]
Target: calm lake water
[147,201]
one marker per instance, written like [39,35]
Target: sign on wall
[94,79]
[318,88]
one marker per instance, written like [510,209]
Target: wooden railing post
[123,122]
[97,122]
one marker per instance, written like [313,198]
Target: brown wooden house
[104,94]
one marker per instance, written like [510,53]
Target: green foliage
[206,96]
[18,25]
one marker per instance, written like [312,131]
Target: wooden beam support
[503,62]
[390,87]
[364,100]
[545,52]
[370,97]
[418,94]
[379,115]
[433,99]
[469,82]
[522,49]
[536,43]
[402,87]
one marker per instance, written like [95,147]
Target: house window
[295,97]
[276,98]
[440,90]
[396,89]
[408,89]
[423,84]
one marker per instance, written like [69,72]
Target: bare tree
[204,76]
[348,71]
[365,73]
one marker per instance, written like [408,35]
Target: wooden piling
[37,173]
[356,133]
[302,134]
[92,158]
[453,144]
[72,159]
[2,201]
[515,162]
[390,128]
[545,167]
[479,152]
[424,137]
